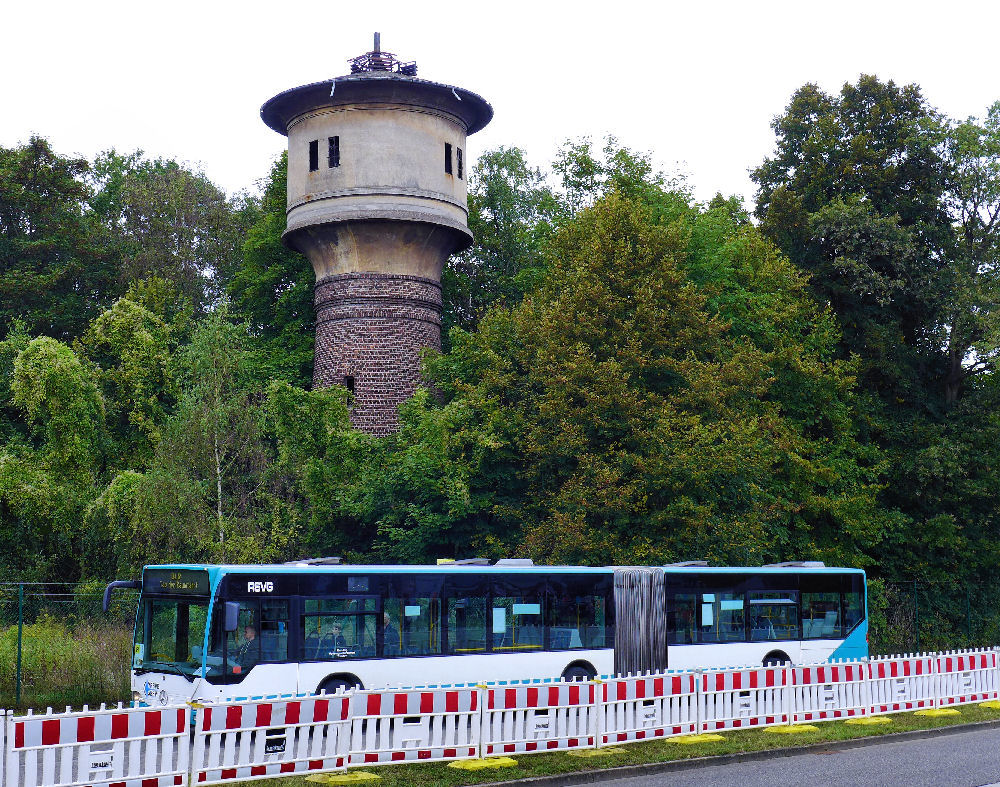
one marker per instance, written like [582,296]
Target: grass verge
[532,765]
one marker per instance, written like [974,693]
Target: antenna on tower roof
[377,60]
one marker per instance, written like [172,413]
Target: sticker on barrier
[123,747]
[533,718]
[829,691]
[901,683]
[966,676]
[735,698]
[403,726]
[636,708]
[263,739]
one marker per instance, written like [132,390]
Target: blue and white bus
[209,632]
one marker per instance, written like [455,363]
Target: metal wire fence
[57,646]
[921,615]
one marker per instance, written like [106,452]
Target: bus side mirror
[118,583]
[232,621]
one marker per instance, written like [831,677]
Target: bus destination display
[177,580]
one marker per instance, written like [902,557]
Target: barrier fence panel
[536,718]
[426,725]
[966,676]
[829,691]
[635,708]
[901,683]
[732,698]
[120,746]
[262,739]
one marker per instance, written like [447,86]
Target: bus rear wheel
[579,671]
[776,658]
[339,683]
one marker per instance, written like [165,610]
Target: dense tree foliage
[893,210]
[629,376]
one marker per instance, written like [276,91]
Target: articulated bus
[212,632]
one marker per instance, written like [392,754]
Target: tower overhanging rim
[376,87]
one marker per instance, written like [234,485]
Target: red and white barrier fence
[829,691]
[966,676]
[650,706]
[402,726]
[122,747]
[738,698]
[246,740]
[539,717]
[901,683]
[270,738]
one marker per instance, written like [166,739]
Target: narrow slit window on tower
[333,154]
[458,160]
[314,155]
[349,382]
[447,157]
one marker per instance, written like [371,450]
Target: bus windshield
[169,635]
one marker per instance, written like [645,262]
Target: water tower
[377,201]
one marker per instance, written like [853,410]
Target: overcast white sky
[695,84]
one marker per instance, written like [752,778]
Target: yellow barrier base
[351,777]
[991,705]
[595,752]
[688,740]
[481,765]
[793,729]
[867,721]
[938,712]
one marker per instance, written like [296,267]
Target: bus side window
[721,617]
[466,624]
[517,614]
[774,615]
[853,606]
[577,614]
[411,626]
[681,618]
[274,630]
[821,615]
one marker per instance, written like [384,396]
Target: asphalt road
[967,759]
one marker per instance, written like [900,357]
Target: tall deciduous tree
[668,392]
[52,276]
[47,482]
[167,221]
[510,212]
[272,289]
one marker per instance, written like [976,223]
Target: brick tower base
[370,330]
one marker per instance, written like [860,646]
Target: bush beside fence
[268,738]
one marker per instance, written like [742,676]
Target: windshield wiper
[166,666]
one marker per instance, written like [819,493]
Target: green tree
[131,349]
[970,324]
[510,212]
[668,392]
[853,195]
[272,289]
[52,276]
[47,482]
[161,219]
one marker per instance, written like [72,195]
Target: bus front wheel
[776,658]
[580,671]
[337,683]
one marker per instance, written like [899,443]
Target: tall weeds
[60,666]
